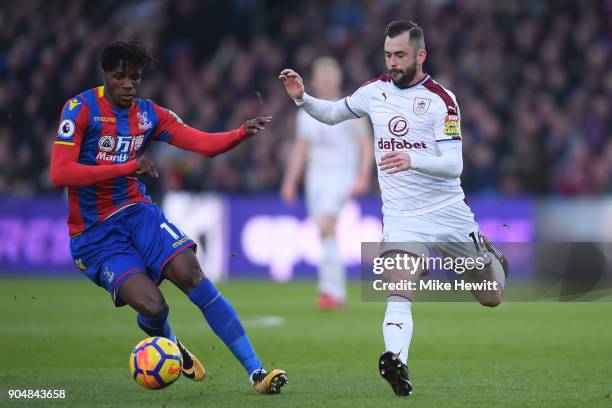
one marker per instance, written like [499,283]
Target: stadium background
[534,83]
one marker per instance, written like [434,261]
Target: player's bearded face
[402,77]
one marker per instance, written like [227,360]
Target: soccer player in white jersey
[418,145]
[338,163]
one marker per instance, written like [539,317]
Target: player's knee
[185,272]
[152,306]
[327,226]
[193,279]
[193,283]
[327,231]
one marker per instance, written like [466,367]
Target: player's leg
[144,296]
[332,274]
[107,256]
[492,277]
[407,238]
[325,196]
[460,237]
[157,241]
[129,284]
[168,253]
[398,324]
[185,272]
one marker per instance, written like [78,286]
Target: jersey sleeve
[73,123]
[447,122]
[171,129]
[359,102]
[168,123]
[448,164]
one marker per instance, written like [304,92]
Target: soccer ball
[156,362]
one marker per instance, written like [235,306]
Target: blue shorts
[137,239]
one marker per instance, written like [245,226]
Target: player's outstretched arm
[212,144]
[324,111]
[448,164]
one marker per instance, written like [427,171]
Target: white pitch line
[265,321]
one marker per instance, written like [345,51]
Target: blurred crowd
[533,79]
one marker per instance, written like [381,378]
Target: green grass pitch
[65,334]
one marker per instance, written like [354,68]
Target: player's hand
[360,186]
[394,162]
[257,124]
[293,83]
[289,193]
[146,166]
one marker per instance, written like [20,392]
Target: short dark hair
[132,52]
[415,32]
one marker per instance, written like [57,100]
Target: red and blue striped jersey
[107,136]
[96,148]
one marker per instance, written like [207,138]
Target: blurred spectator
[533,80]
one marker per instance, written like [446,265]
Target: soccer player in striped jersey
[417,146]
[119,238]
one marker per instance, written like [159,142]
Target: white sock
[397,326]
[332,274]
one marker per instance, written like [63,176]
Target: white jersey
[414,120]
[333,152]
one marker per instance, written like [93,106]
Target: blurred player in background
[120,239]
[338,162]
[418,140]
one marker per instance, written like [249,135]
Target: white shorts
[326,197]
[450,231]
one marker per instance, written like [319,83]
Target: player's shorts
[450,231]
[137,239]
[325,197]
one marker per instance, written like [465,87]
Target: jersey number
[169,230]
[478,241]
